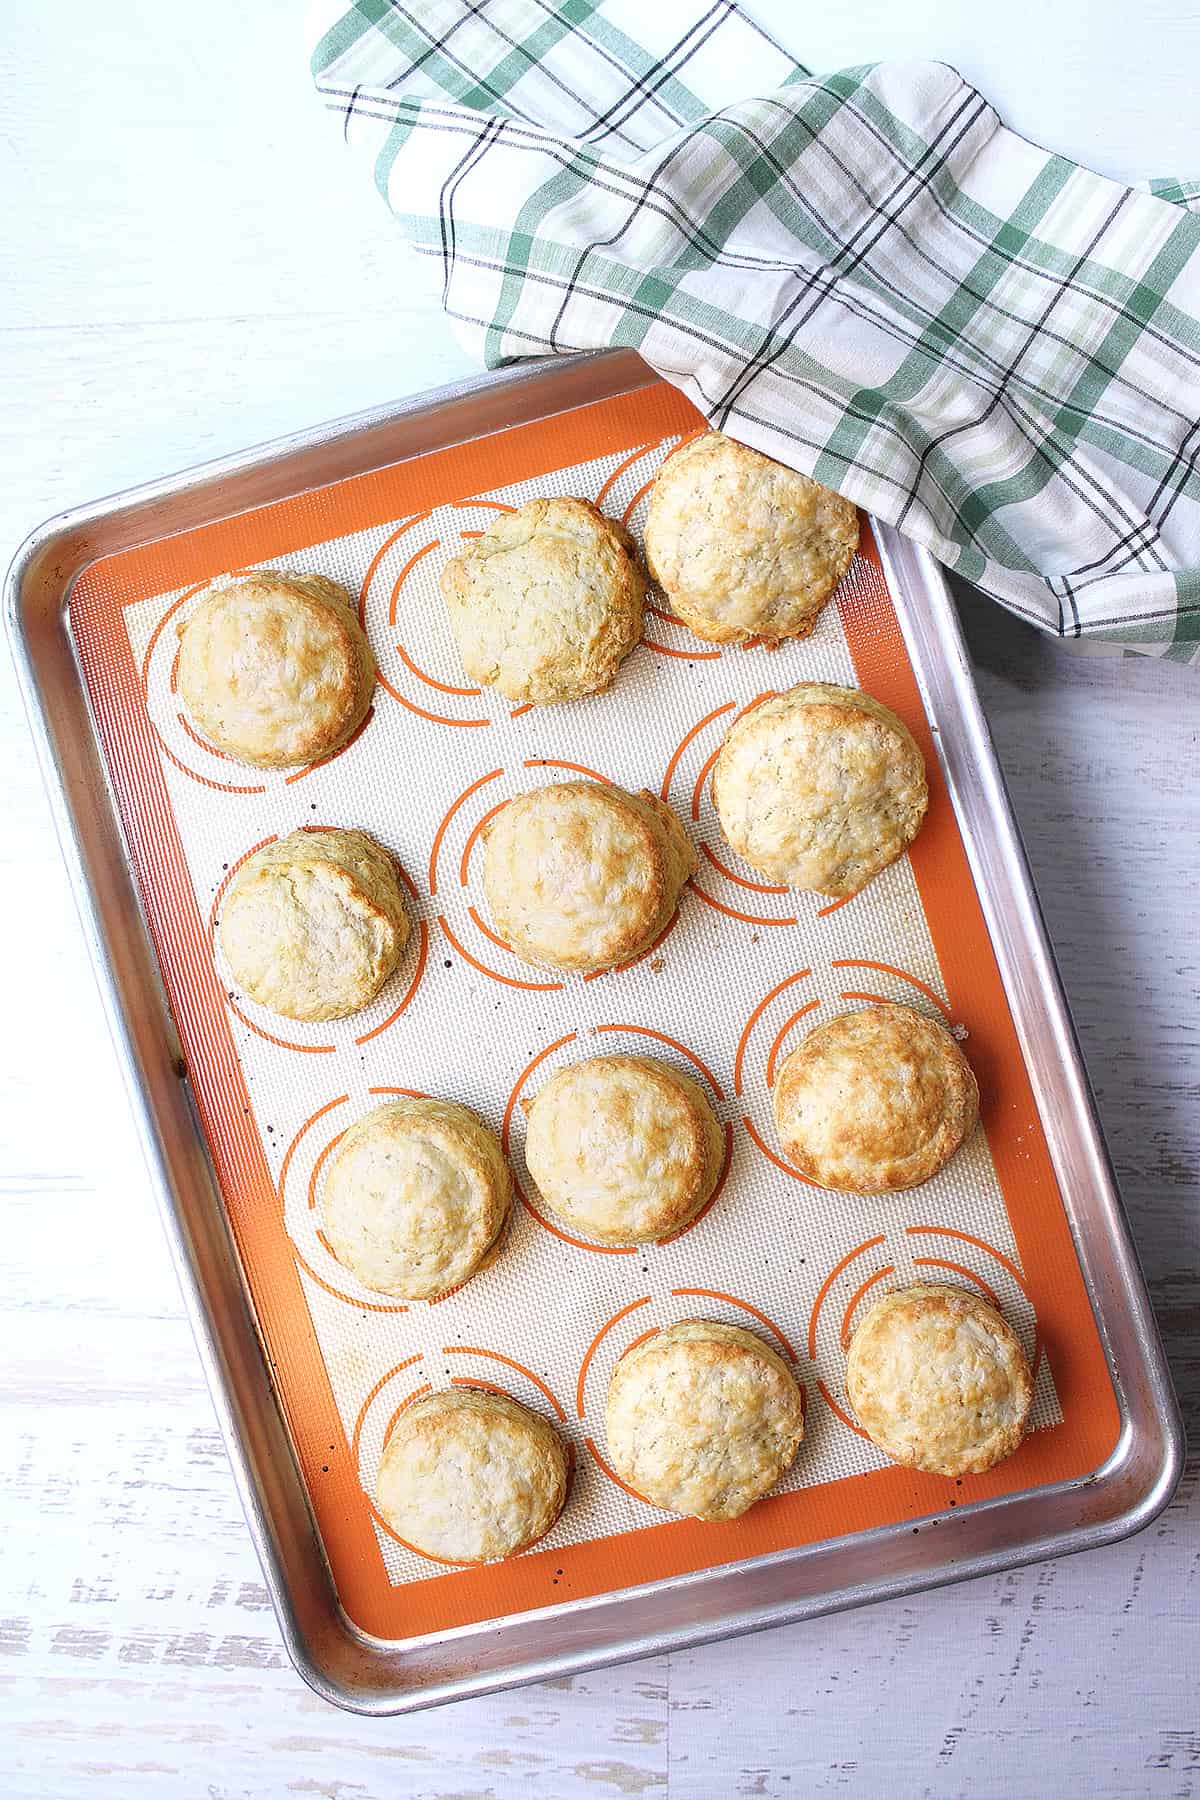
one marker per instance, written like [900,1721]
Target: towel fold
[862,274]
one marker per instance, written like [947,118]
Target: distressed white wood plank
[163,301]
[175,1719]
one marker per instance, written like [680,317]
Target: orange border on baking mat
[464,1596]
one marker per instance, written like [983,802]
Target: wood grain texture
[164,300]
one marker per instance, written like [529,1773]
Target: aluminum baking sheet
[741,972]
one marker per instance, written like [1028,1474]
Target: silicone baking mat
[743,970]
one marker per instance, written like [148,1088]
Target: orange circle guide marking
[620,968]
[552,762]
[872,1243]
[440,833]
[589,1353]
[773,1052]
[698,785]
[309,768]
[674,1236]
[215,908]
[710,761]
[682,655]
[509,1363]
[674,1043]
[492,936]
[685,741]
[632,506]
[856,1296]
[480,826]
[779,988]
[785,1168]
[840,1412]
[861,962]
[279,1042]
[418,1393]
[291,1149]
[513,981]
[940,1262]
[758,887]
[414,984]
[536,1062]
[196,588]
[315,1175]
[393,537]
[607,1468]
[704,1293]
[218,787]
[416,557]
[423,712]
[443,687]
[626,462]
[396,1369]
[965,1237]
[201,743]
[732,912]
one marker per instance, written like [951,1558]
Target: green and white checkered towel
[864,275]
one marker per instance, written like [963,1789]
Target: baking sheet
[739,976]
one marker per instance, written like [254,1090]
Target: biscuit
[624,1148]
[742,546]
[581,875]
[938,1380]
[416,1197]
[313,924]
[274,667]
[820,788]
[702,1419]
[874,1101]
[468,1476]
[547,603]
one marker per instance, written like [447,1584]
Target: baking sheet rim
[1154,1491]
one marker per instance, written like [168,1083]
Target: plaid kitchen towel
[864,275]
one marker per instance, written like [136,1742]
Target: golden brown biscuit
[703,1419]
[582,875]
[468,1476]
[820,788]
[547,603]
[274,667]
[873,1101]
[938,1380]
[624,1148]
[417,1195]
[742,546]
[313,924]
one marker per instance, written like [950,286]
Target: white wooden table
[191,266]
